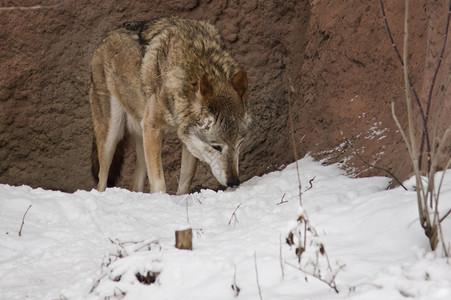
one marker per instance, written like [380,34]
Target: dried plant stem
[429,99]
[293,141]
[411,130]
[282,266]
[281,200]
[374,166]
[425,140]
[427,196]
[295,153]
[256,274]
[419,183]
[401,60]
[235,287]
[331,283]
[23,220]
[234,214]
[311,183]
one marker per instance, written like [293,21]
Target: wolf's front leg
[187,171]
[139,177]
[153,138]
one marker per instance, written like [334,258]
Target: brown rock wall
[336,55]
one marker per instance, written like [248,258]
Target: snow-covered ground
[91,245]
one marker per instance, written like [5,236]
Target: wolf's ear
[239,83]
[205,88]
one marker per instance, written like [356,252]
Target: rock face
[336,56]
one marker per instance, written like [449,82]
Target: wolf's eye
[217,148]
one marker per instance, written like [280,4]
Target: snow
[91,245]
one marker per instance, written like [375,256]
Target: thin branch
[331,284]
[448,164]
[290,91]
[374,166]
[148,245]
[97,282]
[445,216]
[445,249]
[434,169]
[293,141]
[281,200]
[235,287]
[422,214]
[282,267]
[429,99]
[234,214]
[400,59]
[381,169]
[256,274]
[417,99]
[23,220]
[311,183]
[436,149]
[187,210]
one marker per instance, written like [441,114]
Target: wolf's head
[221,125]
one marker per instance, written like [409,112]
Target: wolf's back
[194,46]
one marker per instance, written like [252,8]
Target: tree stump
[184,239]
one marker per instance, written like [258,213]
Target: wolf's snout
[233,183]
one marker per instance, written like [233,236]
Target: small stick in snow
[23,220]
[349,143]
[311,185]
[235,287]
[330,283]
[256,273]
[445,216]
[187,211]
[234,214]
[281,200]
[282,266]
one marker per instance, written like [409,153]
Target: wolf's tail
[116,165]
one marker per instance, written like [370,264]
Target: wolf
[167,75]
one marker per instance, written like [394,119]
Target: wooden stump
[184,239]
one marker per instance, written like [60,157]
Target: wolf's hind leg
[153,138]
[107,144]
[140,172]
[187,171]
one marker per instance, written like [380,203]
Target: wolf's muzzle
[233,183]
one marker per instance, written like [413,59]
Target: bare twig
[148,245]
[97,282]
[429,99]
[234,214]
[293,141]
[282,267]
[187,210]
[445,216]
[427,196]
[423,216]
[295,153]
[448,164]
[330,283]
[311,183]
[402,65]
[256,274]
[235,287]
[377,167]
[23,220]
[445,249]
[281,200]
